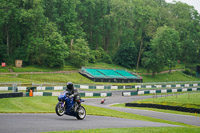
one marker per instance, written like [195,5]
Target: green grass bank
[188,100]
[79,79]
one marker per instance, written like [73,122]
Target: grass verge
[79,79]
[138,130]
[37,69]
[189,100]
[166,77]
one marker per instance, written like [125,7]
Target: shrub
[187,71]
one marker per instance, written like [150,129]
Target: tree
[186,21]
[165,47]
[57,49]
[64,14]
[120,17]
[47,49]
[153,60]
[126,56]
[105,24]
[96,26]
[9,13]
[79,55]
[103,56]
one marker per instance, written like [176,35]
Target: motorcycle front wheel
[81,113]
[60,109]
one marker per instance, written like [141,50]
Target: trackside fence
[141,86]
[133,93]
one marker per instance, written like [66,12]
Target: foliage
[49,50]
[79,54]
[126,56]
[187,26]
[56,47]
[3,55]
[164,50]
[189,72]
[63,13]
[92,58]
[103,56]
[106,58]
[153,61]
[38,31]
[99,55]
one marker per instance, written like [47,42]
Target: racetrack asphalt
[31,123]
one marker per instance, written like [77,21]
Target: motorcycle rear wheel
[81,113]
[59,109]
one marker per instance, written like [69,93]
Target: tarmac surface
[31,123]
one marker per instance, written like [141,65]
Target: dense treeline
[131,33]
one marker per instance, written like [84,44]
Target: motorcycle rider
[73,92]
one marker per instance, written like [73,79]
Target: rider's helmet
[70,85]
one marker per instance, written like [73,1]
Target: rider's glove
[71,96]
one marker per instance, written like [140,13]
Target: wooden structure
[18,63]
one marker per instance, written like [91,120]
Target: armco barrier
[8,95]
[135,86]
[133,93]
[158,106]
[105,87]
[89,94]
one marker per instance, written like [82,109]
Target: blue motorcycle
[68,106]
